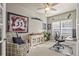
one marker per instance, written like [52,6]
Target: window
[64,27]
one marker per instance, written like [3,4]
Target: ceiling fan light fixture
[47,8]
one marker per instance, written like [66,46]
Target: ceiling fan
[48,6]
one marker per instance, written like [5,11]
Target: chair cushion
[17,40]
[61,40]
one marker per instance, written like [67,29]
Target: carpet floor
[43,50]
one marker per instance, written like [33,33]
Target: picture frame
[17,23]
[0,33]
[49,26]
[44,26]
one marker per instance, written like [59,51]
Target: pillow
[17,40]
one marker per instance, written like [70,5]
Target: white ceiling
[61,7]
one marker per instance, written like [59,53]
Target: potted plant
[46,35]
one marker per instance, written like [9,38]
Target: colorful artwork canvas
[17,23]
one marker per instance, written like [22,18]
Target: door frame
[3,41]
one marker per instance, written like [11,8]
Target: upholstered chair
[13,49]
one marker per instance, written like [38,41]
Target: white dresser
[36,38]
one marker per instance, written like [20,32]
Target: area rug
[67,51]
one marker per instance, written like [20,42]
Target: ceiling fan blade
[53,9]
[40,8]
[54,4]
[48,5]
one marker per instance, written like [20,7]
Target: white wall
[35,26]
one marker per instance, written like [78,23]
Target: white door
[2,29]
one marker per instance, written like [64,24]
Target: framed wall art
[49,26]
[44,26]
[17,23]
